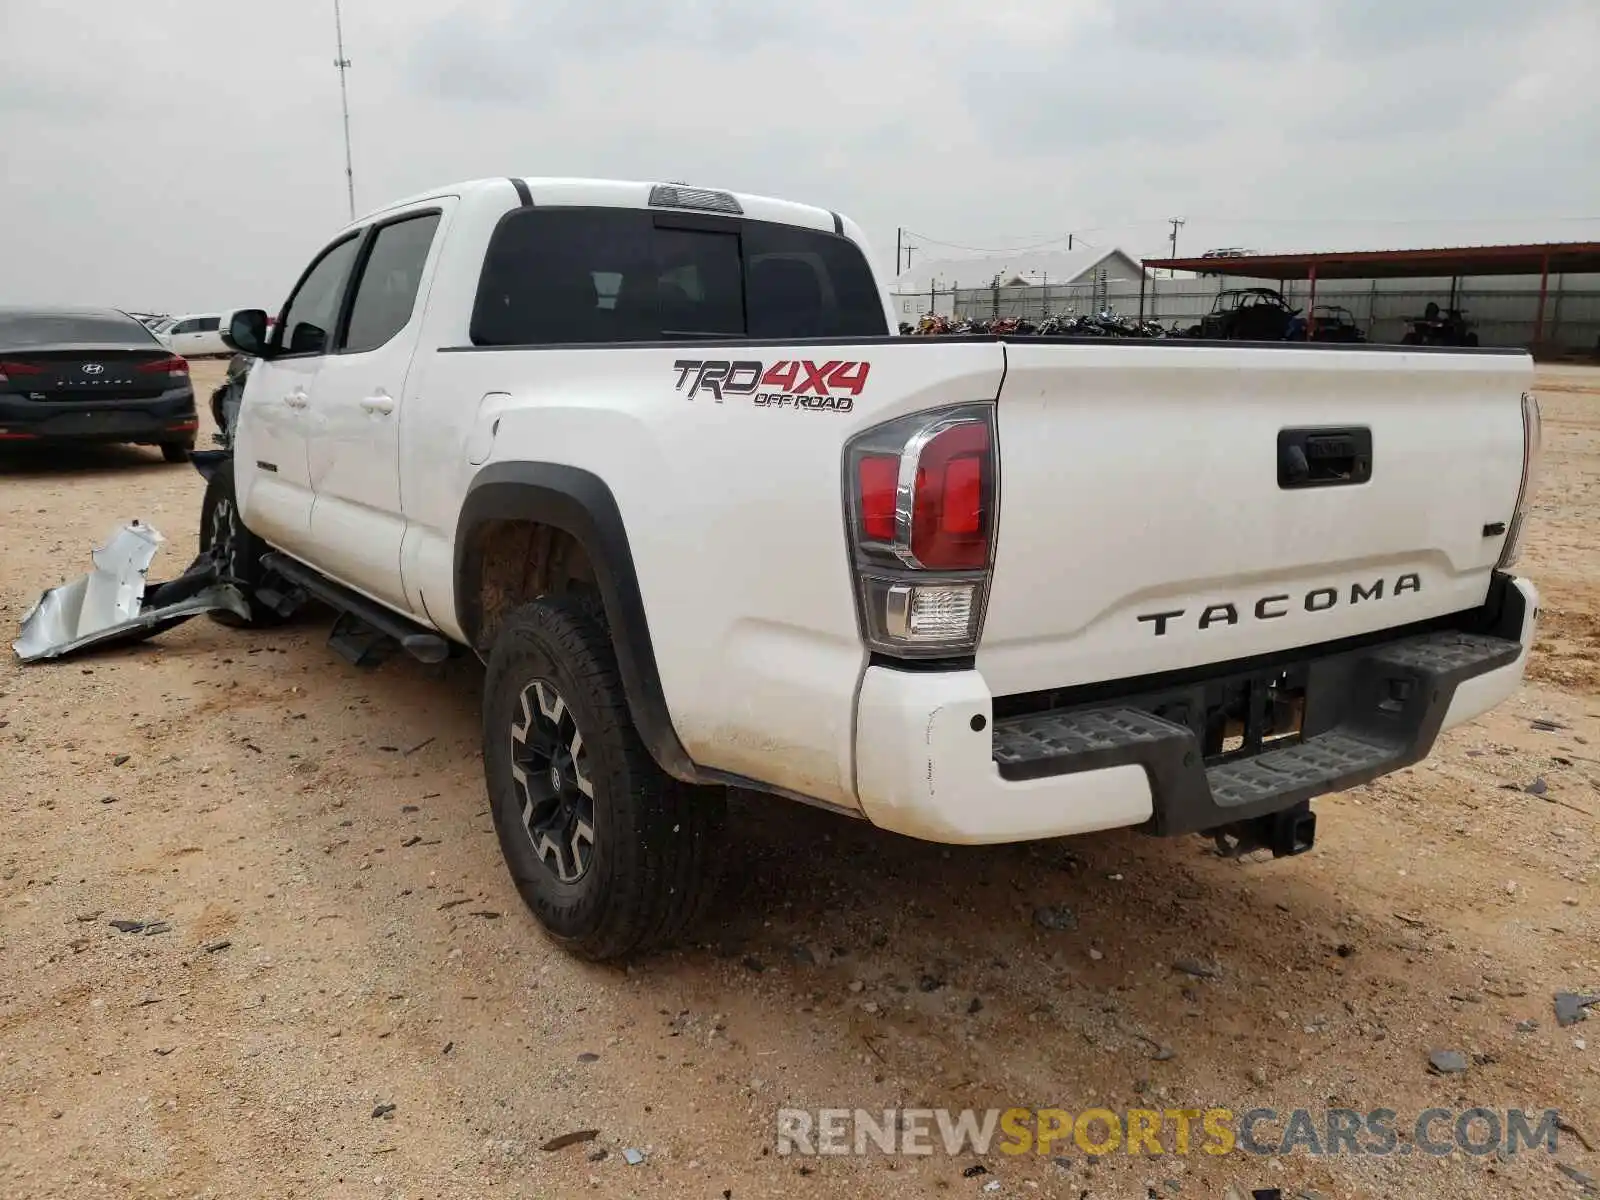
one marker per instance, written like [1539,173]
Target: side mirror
[246,332]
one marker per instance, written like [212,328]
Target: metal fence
[1504,316]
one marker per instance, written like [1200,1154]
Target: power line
[928,241]
[343,64]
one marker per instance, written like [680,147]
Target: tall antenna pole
[343,64]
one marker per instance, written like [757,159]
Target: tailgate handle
[1324,457]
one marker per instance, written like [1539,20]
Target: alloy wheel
[550,768]
[224,540]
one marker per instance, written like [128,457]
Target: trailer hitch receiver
[1286,833]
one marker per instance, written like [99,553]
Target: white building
[1068,274]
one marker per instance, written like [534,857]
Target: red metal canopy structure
[1563,258]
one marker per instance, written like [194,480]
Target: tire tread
[663,843]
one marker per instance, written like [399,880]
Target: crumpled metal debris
[114,604]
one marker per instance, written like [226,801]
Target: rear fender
[578,503]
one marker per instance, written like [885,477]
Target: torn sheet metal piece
[108,605]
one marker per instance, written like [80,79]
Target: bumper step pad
[1055,735]
[1319,763]
[1392,700]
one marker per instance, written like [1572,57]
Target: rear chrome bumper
[933,762]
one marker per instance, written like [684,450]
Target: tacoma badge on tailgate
[1271,607]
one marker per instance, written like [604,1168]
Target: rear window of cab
[556,276]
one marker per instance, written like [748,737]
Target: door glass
[209,324]
[387,291]
[315,305]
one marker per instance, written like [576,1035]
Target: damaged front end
[115,605]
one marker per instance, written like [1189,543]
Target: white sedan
[193,336]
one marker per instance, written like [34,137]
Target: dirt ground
[343,936]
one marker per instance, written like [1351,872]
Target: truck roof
[619,193]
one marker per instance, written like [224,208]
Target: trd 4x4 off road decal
[788,383]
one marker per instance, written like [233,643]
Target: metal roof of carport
[1539,258]
[1561,258]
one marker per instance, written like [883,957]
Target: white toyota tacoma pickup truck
[654,454]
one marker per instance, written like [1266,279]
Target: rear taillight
[923,497]
[949,530]
[174,366]
[10,369]
[877,477]
[1532,448]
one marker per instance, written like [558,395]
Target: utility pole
[1177,223]
[343,64]
[902,246]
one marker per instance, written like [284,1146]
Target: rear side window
[72,329]
[599,275]
[387,291]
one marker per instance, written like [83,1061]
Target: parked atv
[1440,327]
[1335,323]
[1250,314]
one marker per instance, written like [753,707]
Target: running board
[364,623]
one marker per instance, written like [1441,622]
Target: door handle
[295,399]
[380,403]
[1309,458]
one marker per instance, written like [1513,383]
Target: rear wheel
[611,854]
[177,452]
[234,548]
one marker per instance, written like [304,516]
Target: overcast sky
[161,154]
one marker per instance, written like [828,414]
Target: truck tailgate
[1154,513]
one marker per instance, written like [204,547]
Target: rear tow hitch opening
[1286,833]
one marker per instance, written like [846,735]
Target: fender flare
[578,503]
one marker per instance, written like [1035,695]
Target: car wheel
[611,854]
[235,549]
[177,452]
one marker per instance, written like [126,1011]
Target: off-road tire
[223,535]
[655,843]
